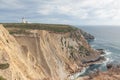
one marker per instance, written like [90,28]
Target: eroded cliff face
[43,55]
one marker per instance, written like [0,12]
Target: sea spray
[93,67]
[76,75]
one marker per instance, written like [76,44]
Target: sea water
[107,38]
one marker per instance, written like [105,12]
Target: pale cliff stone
[43,55]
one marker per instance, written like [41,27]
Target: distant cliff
[42,52]
[86,35]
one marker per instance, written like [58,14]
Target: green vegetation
[18,31]
[1,78]
[21,27]
[73,52]
[70,47]
[83,50]
[4,66]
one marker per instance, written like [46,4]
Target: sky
[76,12]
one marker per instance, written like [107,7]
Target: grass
[4,66]
[49,27]
[1,78]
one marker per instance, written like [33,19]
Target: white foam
[78,74]
[108,57]
[107,52]
[93,46]
[83,71]
[106,61]
[95,39]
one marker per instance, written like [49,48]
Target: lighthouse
[23,20]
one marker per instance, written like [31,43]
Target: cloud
[10,4]
[62,11]
[82,9]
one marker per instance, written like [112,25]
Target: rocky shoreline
[112,73]
[50,55]
[88,63]
[94,60]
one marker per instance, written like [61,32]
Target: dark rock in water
[109,66]
[93,68]
[101,51]
[113,66]
[102,58]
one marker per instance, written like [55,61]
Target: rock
[109,66]
[101,51]
[43,55]
[87,35]
[113,66]
[94,60]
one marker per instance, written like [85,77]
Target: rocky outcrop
[87,35]
[94,60]
[101,51]
[113,73]
[43,55]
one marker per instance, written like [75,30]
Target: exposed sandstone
[43,55]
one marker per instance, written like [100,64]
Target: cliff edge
[40,54]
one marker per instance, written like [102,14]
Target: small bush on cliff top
[4,66]
[1,78]
[49,27]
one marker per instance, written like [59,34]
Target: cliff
[86,35]
[42,54]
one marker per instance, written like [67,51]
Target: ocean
[107,38]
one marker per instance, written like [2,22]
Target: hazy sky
[79,12]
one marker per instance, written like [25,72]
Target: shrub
[84,51]
[4,66]
[49,27]
[70,47]
[1,78]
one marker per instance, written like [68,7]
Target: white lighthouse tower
[23,20]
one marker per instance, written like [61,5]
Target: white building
[24,21]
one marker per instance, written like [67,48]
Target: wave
[87,70]
[93,46]
[107,52]
[101,66]
[108,56]
[76,75]
[109,59]
[106,61]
